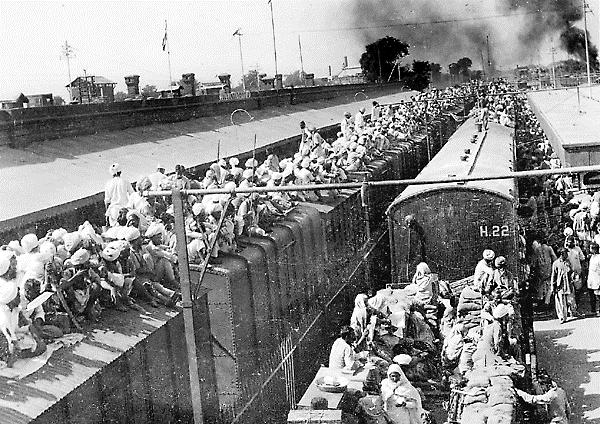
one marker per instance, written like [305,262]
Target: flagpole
[273,27]
[168,59]
[301,62]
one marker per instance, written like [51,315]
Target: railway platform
[570,353]
[52,173]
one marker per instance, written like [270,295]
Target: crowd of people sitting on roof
[51,284]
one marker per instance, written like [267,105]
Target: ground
[570,352]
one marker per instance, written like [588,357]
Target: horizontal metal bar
[407,182]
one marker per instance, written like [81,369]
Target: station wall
[19,127]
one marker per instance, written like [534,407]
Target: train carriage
[448,225]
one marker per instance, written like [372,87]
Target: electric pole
[553,71]
[68,53]
[239,36]
[273,27]
[587,53]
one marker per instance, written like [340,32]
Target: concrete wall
[70,215]
[18,127]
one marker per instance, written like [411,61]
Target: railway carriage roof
[492,154]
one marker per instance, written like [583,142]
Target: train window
[591,179]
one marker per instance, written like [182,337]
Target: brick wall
[19,127]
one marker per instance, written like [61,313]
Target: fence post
[188,317]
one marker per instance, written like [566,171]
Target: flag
[237,32]
[164,41]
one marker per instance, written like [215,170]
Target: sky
[119,38]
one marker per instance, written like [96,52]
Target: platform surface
[43,175]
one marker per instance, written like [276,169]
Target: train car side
[449,225]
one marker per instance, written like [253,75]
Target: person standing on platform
[562,287]
[576,260]
[116,193]
[593,280]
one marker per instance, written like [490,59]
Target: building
[92,89]
[350,75]
[172,91]
[25,101]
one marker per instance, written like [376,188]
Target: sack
[501,414]
[478,378]
[501,394]
[475,413]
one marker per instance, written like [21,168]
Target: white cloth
[342,355]
[156,178]
[593,281]
[117,191]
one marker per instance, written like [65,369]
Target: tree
[58,101]
[463,65]
[149,91]
[436,71]
[294,79]
[120,96]
[380,57]
[421,75]
[252,80]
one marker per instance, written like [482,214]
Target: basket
[339,386]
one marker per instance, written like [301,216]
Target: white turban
[154,229]
[80,257]
[234,161]
[5,258]
[29,242]
[8,291]
[114,168]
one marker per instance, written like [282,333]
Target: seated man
[36,318]
[162,260]
[342,353]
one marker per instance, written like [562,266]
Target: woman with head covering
[423,281]
[401,400]
[360,315]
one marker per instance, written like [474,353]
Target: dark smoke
[572,40]
[516,39]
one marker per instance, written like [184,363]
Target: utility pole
[301,62]
[67,53]
[273,27]
[489,62]
[239,36]
[482,65]
[379,60]
[553,71]
[587,53]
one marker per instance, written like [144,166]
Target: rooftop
[492,154]
[569,118]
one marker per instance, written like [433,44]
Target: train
[305,271]
[448,225]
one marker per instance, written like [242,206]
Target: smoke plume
[505,32]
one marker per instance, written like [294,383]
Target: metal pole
[169,59]
[273,27]
[301,61]
[553,71]
[427,137]
[379,60]
[239,35]
[188,316]
[404,182]
[587,52]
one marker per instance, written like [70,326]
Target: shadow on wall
[571,369]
